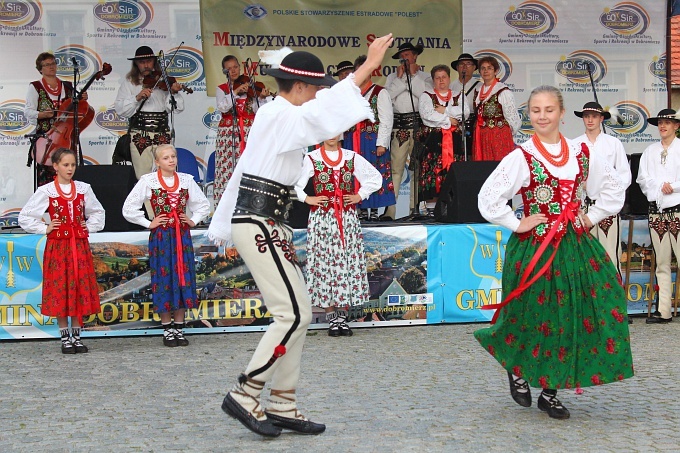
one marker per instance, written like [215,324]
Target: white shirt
[385,116]
[367,175]
[652,174]
[224,104]
[126,102]
[132,208]
[610,149]
[457,86]
[31,107]
[31,215]
[398,89]
[279,136]
[512,174]
[433,118]
[507,101]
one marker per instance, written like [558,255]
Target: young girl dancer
[336,263]
[171,252]
[562,323]
[69,283]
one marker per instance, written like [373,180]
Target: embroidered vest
[367,126]
[490,112]
[549,196]
[325,183]
[45,103]
[162,203]
[244,109]
[436,102]
[59,209]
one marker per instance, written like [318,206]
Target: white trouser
[663,245]
[607,232]
[399,154]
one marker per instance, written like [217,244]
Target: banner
[416,274]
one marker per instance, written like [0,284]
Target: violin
[156,80]
[245,80]
[62,131]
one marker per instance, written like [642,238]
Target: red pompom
[279,351]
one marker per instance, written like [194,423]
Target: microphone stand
[173,101]
[33,138]
[463,131]
[415,161]
[75,98]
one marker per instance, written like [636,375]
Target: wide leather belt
[263,197]
[406,120]
[150,121]
[654,209]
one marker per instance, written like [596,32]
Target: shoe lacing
[257,411]
[521,387]
[553,401]
[283,394]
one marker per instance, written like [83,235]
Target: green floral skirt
[570,328]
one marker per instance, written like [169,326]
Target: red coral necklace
[69,196]
[175,183]
[559,160]
[329,162]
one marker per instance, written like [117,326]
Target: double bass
[61,133]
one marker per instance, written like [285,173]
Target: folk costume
[609,148]
[406,121]
[436,135]
[365,137]
[69,281]
[562,323]
[40,97]
[171,251]
[659,165]
[232,132]
[471,89]
[336,262]
[149,123]
[497,122]
[252,213]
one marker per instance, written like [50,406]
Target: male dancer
[252,212]
[609,148]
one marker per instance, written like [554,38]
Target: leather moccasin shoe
[294,424]
[261,427]
[658,320]
[521,398]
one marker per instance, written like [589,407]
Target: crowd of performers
[562,323]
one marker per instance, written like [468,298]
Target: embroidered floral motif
[286,246]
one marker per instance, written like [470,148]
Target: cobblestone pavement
[412,389]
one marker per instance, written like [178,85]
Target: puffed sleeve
[611,190]
[198,204]
[126,103]
[31,215]
[94,212]
[223,100]
[132,208]
[511,174]
[306,173]
[429,115]
[386,118]
[368,176]
[507,101]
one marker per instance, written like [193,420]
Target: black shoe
[170,341]
[385,218]
[521,398]
[67,348]
[344,329]
[300,426]
[553,407]
[334,330]
[181,341]
[658,320]
[235,410]
[80,347]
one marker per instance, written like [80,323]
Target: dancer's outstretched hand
[376,53]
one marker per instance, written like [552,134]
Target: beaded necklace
[482,94]
[561,159]
[175,183]
[329,162]
[69,196]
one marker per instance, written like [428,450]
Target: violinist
[146,105]
[43,99]
[232,132]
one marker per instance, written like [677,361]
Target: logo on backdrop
[486,259]
[525,128]
[88,61]
[10,218]
[504,62]
[532,18]
[108,119]
[187,66]
[625,19]
[20,263]
[634,116]
[255,11]
[13,123]
[20,13]
[658,68]
[574,67]
[212,118]
[124,14]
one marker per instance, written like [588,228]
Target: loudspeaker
[636,203]
[457,202]
[111,184]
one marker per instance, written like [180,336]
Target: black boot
[549,403]
[519,390]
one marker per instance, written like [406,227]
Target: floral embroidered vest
[45,103]
[490,112]
[333,184]
[162,203]
[436,103]
[549,196]
[59,209]
[244,109]
[367,126]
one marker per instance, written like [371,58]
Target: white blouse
[433,118]
[132,208]
[507,101]
[652,174]
[224,104]
[611,150]
[31,215]
[512,174]
[279,137]
[398,89]
[367,175]
[126,100]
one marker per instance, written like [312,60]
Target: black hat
[302,66]
[593,107]
[143,52]
[464,57]
[665,114]
[343,65]
[408,46]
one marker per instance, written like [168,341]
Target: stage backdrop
[416,274]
